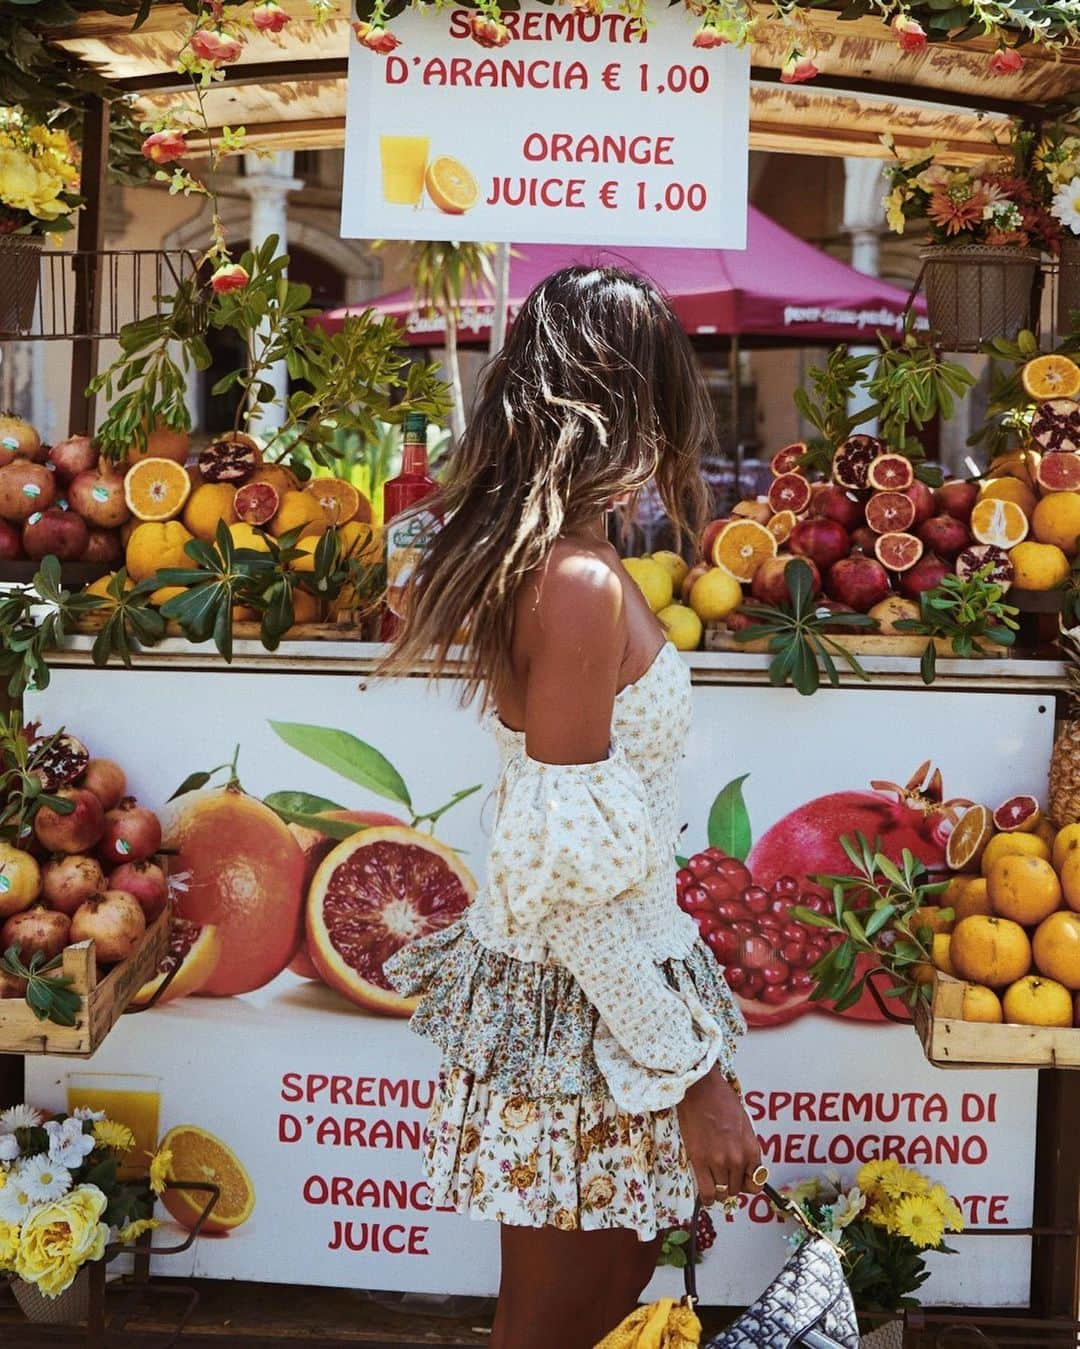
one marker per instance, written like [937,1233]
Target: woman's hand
[719,1139]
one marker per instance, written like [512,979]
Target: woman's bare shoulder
[576,591]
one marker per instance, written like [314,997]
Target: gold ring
[761,1175]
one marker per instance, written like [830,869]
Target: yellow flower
[133,1231]
[18,179]
[920,1221]
[58,1238]
[160,1169]
[881,1215]
[110,1134]
[894,209]
[9,1244]
[902,1182]
[870,1176]
[948,1208]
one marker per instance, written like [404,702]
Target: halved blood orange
[852,460]
[197,1155]
[981,555]
[790,492]
[1002,523]
[967,842]
[898,551]
[156,489]
[891,473]
[340,500]
[781,525]
[256,503]
[1059,472]
[451,186]
[1056,425]
[890,512]
[789,459]
[1051,376]
[373,894]
[741,547]
[1018,815]
[195,950]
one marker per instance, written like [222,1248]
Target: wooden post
[88,272]
[1055,1262]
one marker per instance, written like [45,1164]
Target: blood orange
[195,950]
[1056,425]
[781,524]
[373,894]
[890,512]
[788,460]
[256,503]
[1018,815]
[891,473]
[790,492]
[1059,472]
[898,551]
[982,555]
[851,462]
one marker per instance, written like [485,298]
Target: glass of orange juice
[404,163]
[133,1099]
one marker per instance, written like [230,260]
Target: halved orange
[156,489]
[968,840]
[1010,489]
[451,186]
[1002,523]
[781,525]
[742,546]
[339,500]
[197,1155]
[1051,377]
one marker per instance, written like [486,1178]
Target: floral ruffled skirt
[523,1129]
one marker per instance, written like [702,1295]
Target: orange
[1002,523]
[163,594]
[247,536]
[1009,489]
[981,1004]
[741,547]
[1046,831]
[153,547]
[1070,880]
[954,891]
[1013,845]
[968,840]
[156,489]
[451,186]
[361,542]
[1039,566]
[306,560]
[1033,1001]
[1022,464]
[280,478]
[929,916]
[162,443]
[198,1155]
[1051,377]
[208,505]
[991,951]
[1025,889]
[1066,842]
[1056,948]
[298,509]
[340,501]
[1056,520]
[781,525]
[306,608]
[940,953]
[974,900]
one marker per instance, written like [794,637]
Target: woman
[587,1034]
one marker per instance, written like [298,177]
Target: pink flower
[1006,61]
[229,276]
[489,32]
[164,146]
[269,17]
[708,36]
[797,69]
[379,40]
[910,33]
[211,44]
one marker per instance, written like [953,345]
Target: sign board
[583,129]
[324,1103]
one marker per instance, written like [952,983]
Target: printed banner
[309,1106]
[582,129]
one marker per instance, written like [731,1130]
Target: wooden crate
[103,999]
[952,1042]
[718,638]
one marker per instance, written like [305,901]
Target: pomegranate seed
[695,898]
[707,923]
[795,931]
[756,953]
[755,899]
[718,887]
[785,887]
[728,909]
[775,995]
[818,903]
[794,953]
[699,866]
[743,928]
[715,855]
[724,944]
[752,984]
[802,981]
[779,906]
[775,972]
[734,871]
[768,922]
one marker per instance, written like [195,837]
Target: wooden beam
[90,242]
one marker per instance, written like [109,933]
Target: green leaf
[928,663]
[810,918]
[729,821]
[191,783]
[347,756]
[338,829]
[300,803]
[879,919]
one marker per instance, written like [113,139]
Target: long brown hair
[596,393]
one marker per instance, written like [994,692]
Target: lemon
[155,547]
[247,536]
[209,504]
[1056,519]
[715,595]
[299,509]
[1039,566]
[674,564]
[682,625]
[1020,845]
[653,580]
[163,594]
[360,541]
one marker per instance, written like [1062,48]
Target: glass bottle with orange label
[406,529]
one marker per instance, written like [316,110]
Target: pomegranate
[114,921]
[63,534]
[98,496]
[79,830]
[823,540]
[957,498]
[71,457]
[834,503]
[102,545]
[60,763]
[146,882]
[922,498]
[737,621]
[106,780]
[10,542]
[944,535]
[861,582]
[708,536]
[825,607]
[18,438]
[132,833]
[25,488]
[68,882]
[769,585]
[863,540]
[696,571]
[927,573]
[36,930]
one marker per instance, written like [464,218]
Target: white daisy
[68,1145]
[42,1179]
[9,1147]
[15,1201]
[19,1117]
[1066,207]
[84,1112]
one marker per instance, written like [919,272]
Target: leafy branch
[22,789]
[966,611]
[826,405]
[49,996]
[1011,407]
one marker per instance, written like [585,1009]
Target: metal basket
[72,1305]
[975,293]
[888,1336]
[20,275]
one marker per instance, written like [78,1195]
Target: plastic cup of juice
[404,163]
[133,1099]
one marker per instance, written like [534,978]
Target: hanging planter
[1068,294]
[20,265]
[72,1305]
[975,292]
[888,1336]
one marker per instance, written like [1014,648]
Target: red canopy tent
[779,289]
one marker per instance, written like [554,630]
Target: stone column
[268,182]
[864,220]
